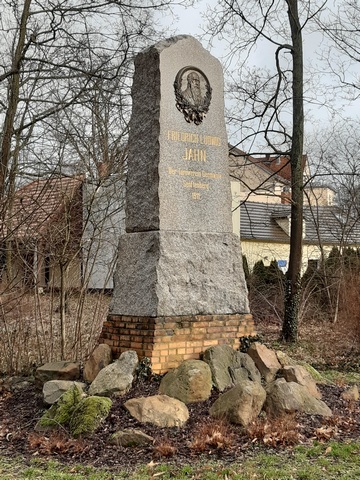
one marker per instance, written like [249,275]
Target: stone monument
[179,284]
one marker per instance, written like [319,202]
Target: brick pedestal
[167,341]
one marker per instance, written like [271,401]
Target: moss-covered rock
[61,412]
[314,373]
[88,415]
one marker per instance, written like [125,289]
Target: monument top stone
[178,177]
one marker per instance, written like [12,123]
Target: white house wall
[104,222]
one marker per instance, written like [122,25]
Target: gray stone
[230,367]
[174,273]
[117,378]
[159,410]
[190,382]
[179,255]
[265,360]
[300,375]
[62,370]
[130,437]
[99,358]
[290,397]
[157,198]
[53,389]
[241,405]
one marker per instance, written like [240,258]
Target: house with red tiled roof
[62,229]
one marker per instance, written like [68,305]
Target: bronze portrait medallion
[193,94]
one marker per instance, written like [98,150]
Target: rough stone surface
[157,198]
[175,273]
[101,357]
[284,359]
[190,382]
[159,410]
[351,394]
[301,376]
[53,389]
[130,438]
[179,255]
[117,378]
[289,397]
[230,367]
[88,415]
[63,370]
[62,411]
[265,360]
[241,405]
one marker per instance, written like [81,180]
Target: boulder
[301,376]
[61,412]
[230,367]
[284,359]
[117,378]
[159,410]
[265,360]
[190,382]
[289,397]
[53,389]
[351,394]
[88,415]
[63,370]
[130,438]
[101,357]
[241,405]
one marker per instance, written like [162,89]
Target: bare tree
[269,102]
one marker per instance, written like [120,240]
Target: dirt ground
[20,410]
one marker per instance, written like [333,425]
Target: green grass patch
[330,461]
[345,378]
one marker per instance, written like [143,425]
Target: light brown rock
[284,359]
[301,376]
[265,360]
[130,437]
[351,394]
[241,405]
[190,382]
[100,358]
[159,410]
[63,370]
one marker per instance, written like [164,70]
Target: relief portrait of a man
[193,94]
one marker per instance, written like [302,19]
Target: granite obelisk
[179,284]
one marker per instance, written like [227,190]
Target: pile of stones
[252,382]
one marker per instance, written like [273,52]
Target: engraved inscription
[195,154]
[176,136]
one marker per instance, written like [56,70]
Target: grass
[320,461]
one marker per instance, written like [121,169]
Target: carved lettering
[189,137]
[195,155]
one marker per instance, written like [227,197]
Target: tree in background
[65,77]
[271,103]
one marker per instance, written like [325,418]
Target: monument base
[167,341]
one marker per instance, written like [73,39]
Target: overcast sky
[191,21]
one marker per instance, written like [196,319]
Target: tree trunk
[13,99]
[292,293]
